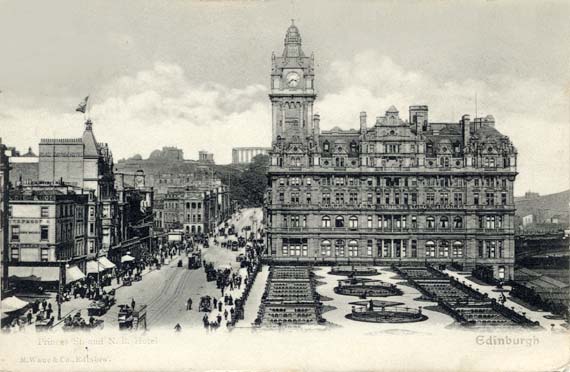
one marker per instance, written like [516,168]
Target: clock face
[292,79]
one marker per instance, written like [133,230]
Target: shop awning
[127,258]
[100,265]
[13,304]
[106,263]
[73,274]
[35,273]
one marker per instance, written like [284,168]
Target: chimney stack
[363,122]
[466,124]
[316,123]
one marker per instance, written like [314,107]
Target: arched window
[353,222]
[339,248]
[352,248]
[326,221]
[339,221]
[326,248]
[430,248]
[457,249]
[444,222]
[443,248]
[430,222]
[458,222]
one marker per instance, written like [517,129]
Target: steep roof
[89,142]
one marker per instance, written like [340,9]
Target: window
[443,248]
[369,248]
[339,248]
[490,198]
[339,221]
[294,221]
[308,197]
[295,198]
[353,222]
[397,222]
[443,198]
[304,221]
[326,146]
[15,254]
[397,198]
[91,246]
[369,198]
[414,248]
[369,222]
[458,199]
[352,248]
[326,198]
[44,212]
[503,198]
[285,250]
[387,248]
[414,222]
[326,221]
[44,233]
[326,248]
[457,249]
[15,233]
[281,197]
[490,222]
[404,250]
[476,198]
[457,222]
[430,198]
[45,255]
[308,181]
[91,228]
[430,248]
[339,198]
[500,248]
[353,198]
[430,222]
[444,222]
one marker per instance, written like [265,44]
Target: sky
[195,74]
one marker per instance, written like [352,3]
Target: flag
[83,105]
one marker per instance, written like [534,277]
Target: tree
[249,188]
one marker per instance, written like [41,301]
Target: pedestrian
[29,316]
[215,302]
[226,314]
[189,304]
[177,327]
[44,304]
[219,318]
[133,303]
[220,305]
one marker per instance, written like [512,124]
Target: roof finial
[293,21]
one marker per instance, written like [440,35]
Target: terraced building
[394,190]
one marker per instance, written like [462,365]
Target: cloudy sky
[195,74]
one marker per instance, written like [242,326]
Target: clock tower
[292,95]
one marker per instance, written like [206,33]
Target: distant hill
[545,206]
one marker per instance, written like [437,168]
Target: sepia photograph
[289,185]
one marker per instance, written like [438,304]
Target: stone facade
[391,192]
[244,155]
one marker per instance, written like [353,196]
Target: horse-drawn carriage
[130,318]
[100,307]
[194,261]
[205,304]
[76,322]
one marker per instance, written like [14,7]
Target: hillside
[544,206]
